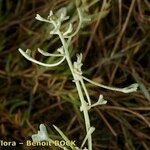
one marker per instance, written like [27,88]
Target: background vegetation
[116,53]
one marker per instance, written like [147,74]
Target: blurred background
[116,50]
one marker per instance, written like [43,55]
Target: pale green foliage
[76,69]
[42,134]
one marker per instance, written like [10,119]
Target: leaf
[42,134]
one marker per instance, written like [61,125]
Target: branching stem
[79,89]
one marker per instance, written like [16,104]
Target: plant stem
[79,89]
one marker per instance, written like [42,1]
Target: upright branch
[76,70]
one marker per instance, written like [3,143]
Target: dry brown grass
[116,53]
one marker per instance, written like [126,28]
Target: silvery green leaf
[50,14]
[44,53]
[38,17]
[79,58]
[131,88]
[61,50]
[42,134]
[78,64]
[38,62]
[101,100]
[69,30]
